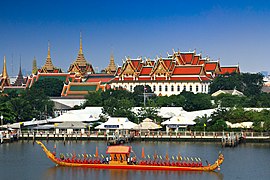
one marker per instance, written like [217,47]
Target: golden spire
[49,51]
[80,51]
[4,73]
[48,64]
[34,68]
[111,67]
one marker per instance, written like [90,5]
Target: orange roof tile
[229,70]
[185,79]
[210,66]
[195,60]
[146,70]
[181,70]
[187,57]
[118,150]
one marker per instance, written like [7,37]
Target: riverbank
[99,137]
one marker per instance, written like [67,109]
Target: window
[154,88]
[197,88]
[166,88]
[190,88]
[185,88]
[130,88]
[178,88]
[202,88]
[172,88]
[160,88]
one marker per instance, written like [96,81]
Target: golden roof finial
[4,73]
[80,51]
[49,51]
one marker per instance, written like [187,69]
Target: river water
[25,160]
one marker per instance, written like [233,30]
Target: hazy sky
[234,31]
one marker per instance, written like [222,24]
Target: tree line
[35,102]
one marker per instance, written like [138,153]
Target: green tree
[249,84]
[41,105]
[8,114]
[252,83]
[119,108]
[138,94]
[52,87]
[149,112]
[226,82]
[93,99]
[21,108]
[195,102]
[228,100]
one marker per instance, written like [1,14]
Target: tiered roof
[80,66]
[111,69]
[181,66]
[49,67]
[81,89]
[20,79]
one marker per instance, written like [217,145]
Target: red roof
[202,61]
[99,79]
[179,60]
[146,70]
[229,70]
[135,63]
[195,60]
[160,78]
[118,150]
[167,62]
[210,66]
[185,79]
[181,70]
[187,57]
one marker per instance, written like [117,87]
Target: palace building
[181,71]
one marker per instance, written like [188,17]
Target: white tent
[147,124]
[117,123]
[76,115]
[178,121]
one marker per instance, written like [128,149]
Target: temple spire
[111,69]
[49,51]
[34,68]
[20,70]
[80,51]
[20,80]
[48,64]
[4,73]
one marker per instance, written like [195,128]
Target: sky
[233,31]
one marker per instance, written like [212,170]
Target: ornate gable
[187,57]
[160,68]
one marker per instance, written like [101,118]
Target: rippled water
[25,160]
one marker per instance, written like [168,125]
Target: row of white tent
[177,118]
[124,123]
